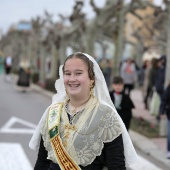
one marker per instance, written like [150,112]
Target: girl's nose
[72,77]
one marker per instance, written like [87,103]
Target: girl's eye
[78,73]
[67,74]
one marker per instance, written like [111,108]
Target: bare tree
[162,24]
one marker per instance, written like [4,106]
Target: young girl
[81,128]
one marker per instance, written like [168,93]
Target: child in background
[165,109]
[122,101]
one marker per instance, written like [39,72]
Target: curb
[148,147]
[43,91]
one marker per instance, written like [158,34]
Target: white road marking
[144,164]
[7,128]
[12,157]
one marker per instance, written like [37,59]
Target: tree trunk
[42,66]
[54,63]
[35,53]
[119,43]
[62,51]
[90,38]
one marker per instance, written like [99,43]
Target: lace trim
[86,142]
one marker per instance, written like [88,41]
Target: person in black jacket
[24,74]
[165,109]
[160,76]
[122,101]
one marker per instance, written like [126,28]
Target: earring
[91,88]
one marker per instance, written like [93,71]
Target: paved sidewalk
[155,147]
[140,111]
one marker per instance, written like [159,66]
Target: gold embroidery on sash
[63,158]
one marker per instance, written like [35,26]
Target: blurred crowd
[150,79]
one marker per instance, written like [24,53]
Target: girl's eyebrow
[79,70]
[75,70]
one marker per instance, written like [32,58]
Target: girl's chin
[73,94]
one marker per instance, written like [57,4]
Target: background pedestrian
[122,101]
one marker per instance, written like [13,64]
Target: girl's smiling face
[76,78]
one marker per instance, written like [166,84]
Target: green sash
[63,158]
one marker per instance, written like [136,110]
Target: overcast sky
[12,11]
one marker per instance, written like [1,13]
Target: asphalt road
[19,114]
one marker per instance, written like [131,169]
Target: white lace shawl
[96,125]
[102,94]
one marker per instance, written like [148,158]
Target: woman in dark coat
[24,74]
